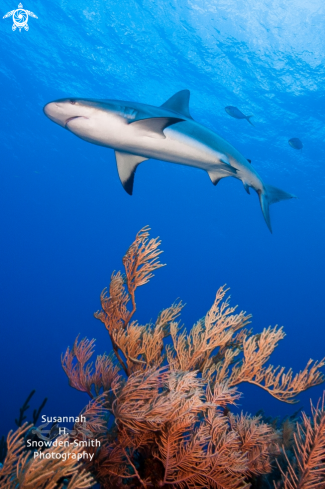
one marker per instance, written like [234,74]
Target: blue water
[66,221]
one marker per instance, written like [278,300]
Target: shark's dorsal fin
[179,103]
[222,171]
[126,166]
[153,127]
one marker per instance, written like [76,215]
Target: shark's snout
[55,111]
[62,111]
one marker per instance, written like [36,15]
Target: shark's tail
[249,119]
[269,195]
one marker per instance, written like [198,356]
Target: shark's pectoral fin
[154,126]
[126,166]
[222,171]
[179,103]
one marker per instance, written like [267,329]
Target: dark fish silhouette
[237,114]
[295,143]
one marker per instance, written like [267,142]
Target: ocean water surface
[66,220]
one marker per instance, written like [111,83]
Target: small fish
[295,143]
[237,114]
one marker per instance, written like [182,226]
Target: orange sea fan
[208,457]
[172,425]
[47,470]
[258,440]
[162,413]
[287,433]
[81,374]
[257,350]
[213,344]
[140,261]
[110,465]
[216,330]
[95,416]
[143,346]
[309,449]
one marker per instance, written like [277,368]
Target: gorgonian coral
[307,471]
[170,400]
[21,469]
[161,402]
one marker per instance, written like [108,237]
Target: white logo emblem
[20,18]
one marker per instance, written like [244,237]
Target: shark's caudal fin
[270,195]
[249,120]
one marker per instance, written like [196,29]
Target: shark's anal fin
[126,166]
[153,127]
[179,103]
[222,171]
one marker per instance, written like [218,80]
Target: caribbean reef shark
[138,132]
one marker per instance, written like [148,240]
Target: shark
[138,132]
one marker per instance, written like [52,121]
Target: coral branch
[95,414]
[15,446]
[140,261]
[283,386]
[309,450]
[216,330]
[81,374]
[24,470]
[24,408]
[259,440]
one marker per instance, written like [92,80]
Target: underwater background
[66,220]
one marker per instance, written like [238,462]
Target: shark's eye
[72,102]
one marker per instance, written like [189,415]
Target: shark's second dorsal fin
[126,166]
[179,103]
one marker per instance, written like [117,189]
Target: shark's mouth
[74,117]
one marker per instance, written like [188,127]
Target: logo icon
[20,18]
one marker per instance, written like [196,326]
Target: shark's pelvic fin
[153,127]
[179,103]
[222,171]
[246,187]
[270,195]
[126,166]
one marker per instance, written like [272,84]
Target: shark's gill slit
[75,117]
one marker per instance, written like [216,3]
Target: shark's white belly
[177,147]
